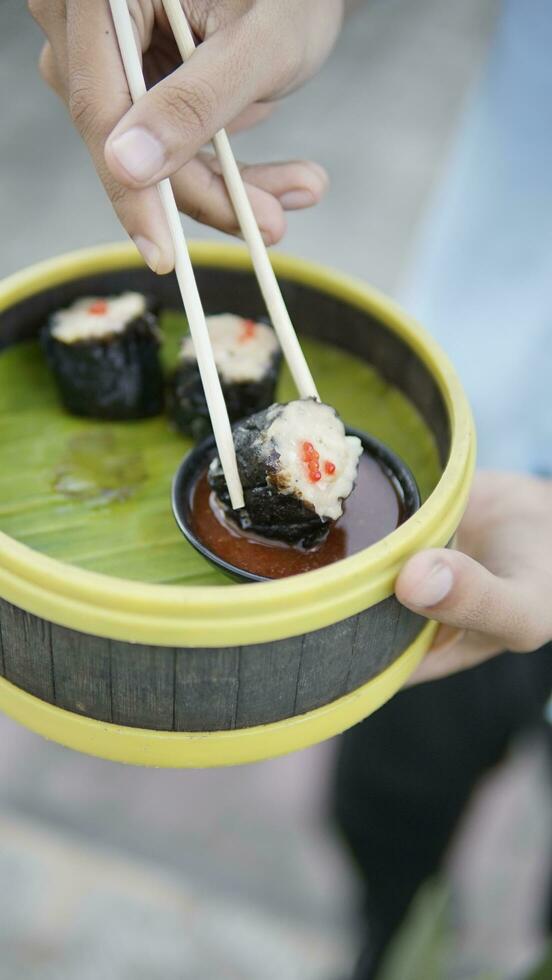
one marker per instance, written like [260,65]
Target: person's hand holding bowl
[495,593]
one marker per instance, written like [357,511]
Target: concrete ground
[108,872]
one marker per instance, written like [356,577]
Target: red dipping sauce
[374,509]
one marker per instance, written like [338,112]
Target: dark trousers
[404,776]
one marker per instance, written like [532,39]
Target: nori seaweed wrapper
[115,377]
[186,404]
[267,511]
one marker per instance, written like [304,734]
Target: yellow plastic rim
[209,616]
[198,750]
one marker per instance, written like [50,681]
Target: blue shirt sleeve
[481,276]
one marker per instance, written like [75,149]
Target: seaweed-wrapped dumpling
[104,354]
[297,466]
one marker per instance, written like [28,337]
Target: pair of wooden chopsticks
[186,280]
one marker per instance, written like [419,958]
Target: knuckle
[197,212]
[192,106]
[201,200]
[118,195]
[198,205]
[220,12]
[123,201]
[83,108]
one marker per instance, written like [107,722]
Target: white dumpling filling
[318,461]
[95,317]
[243,349]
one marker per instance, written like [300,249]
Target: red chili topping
[329,467]
[98,307]
[312,458]
[248,330]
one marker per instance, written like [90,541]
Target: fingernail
[293,200]
[149,251]
[433,588]
[139,153]
[319,171]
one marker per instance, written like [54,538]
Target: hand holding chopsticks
[250,56]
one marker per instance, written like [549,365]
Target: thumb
[181,113]
[456,590]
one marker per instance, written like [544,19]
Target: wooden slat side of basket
[185,689]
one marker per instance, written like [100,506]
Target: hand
[495,593]
[253,51]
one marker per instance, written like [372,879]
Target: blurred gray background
[106,872]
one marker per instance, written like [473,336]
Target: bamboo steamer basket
[197,676]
